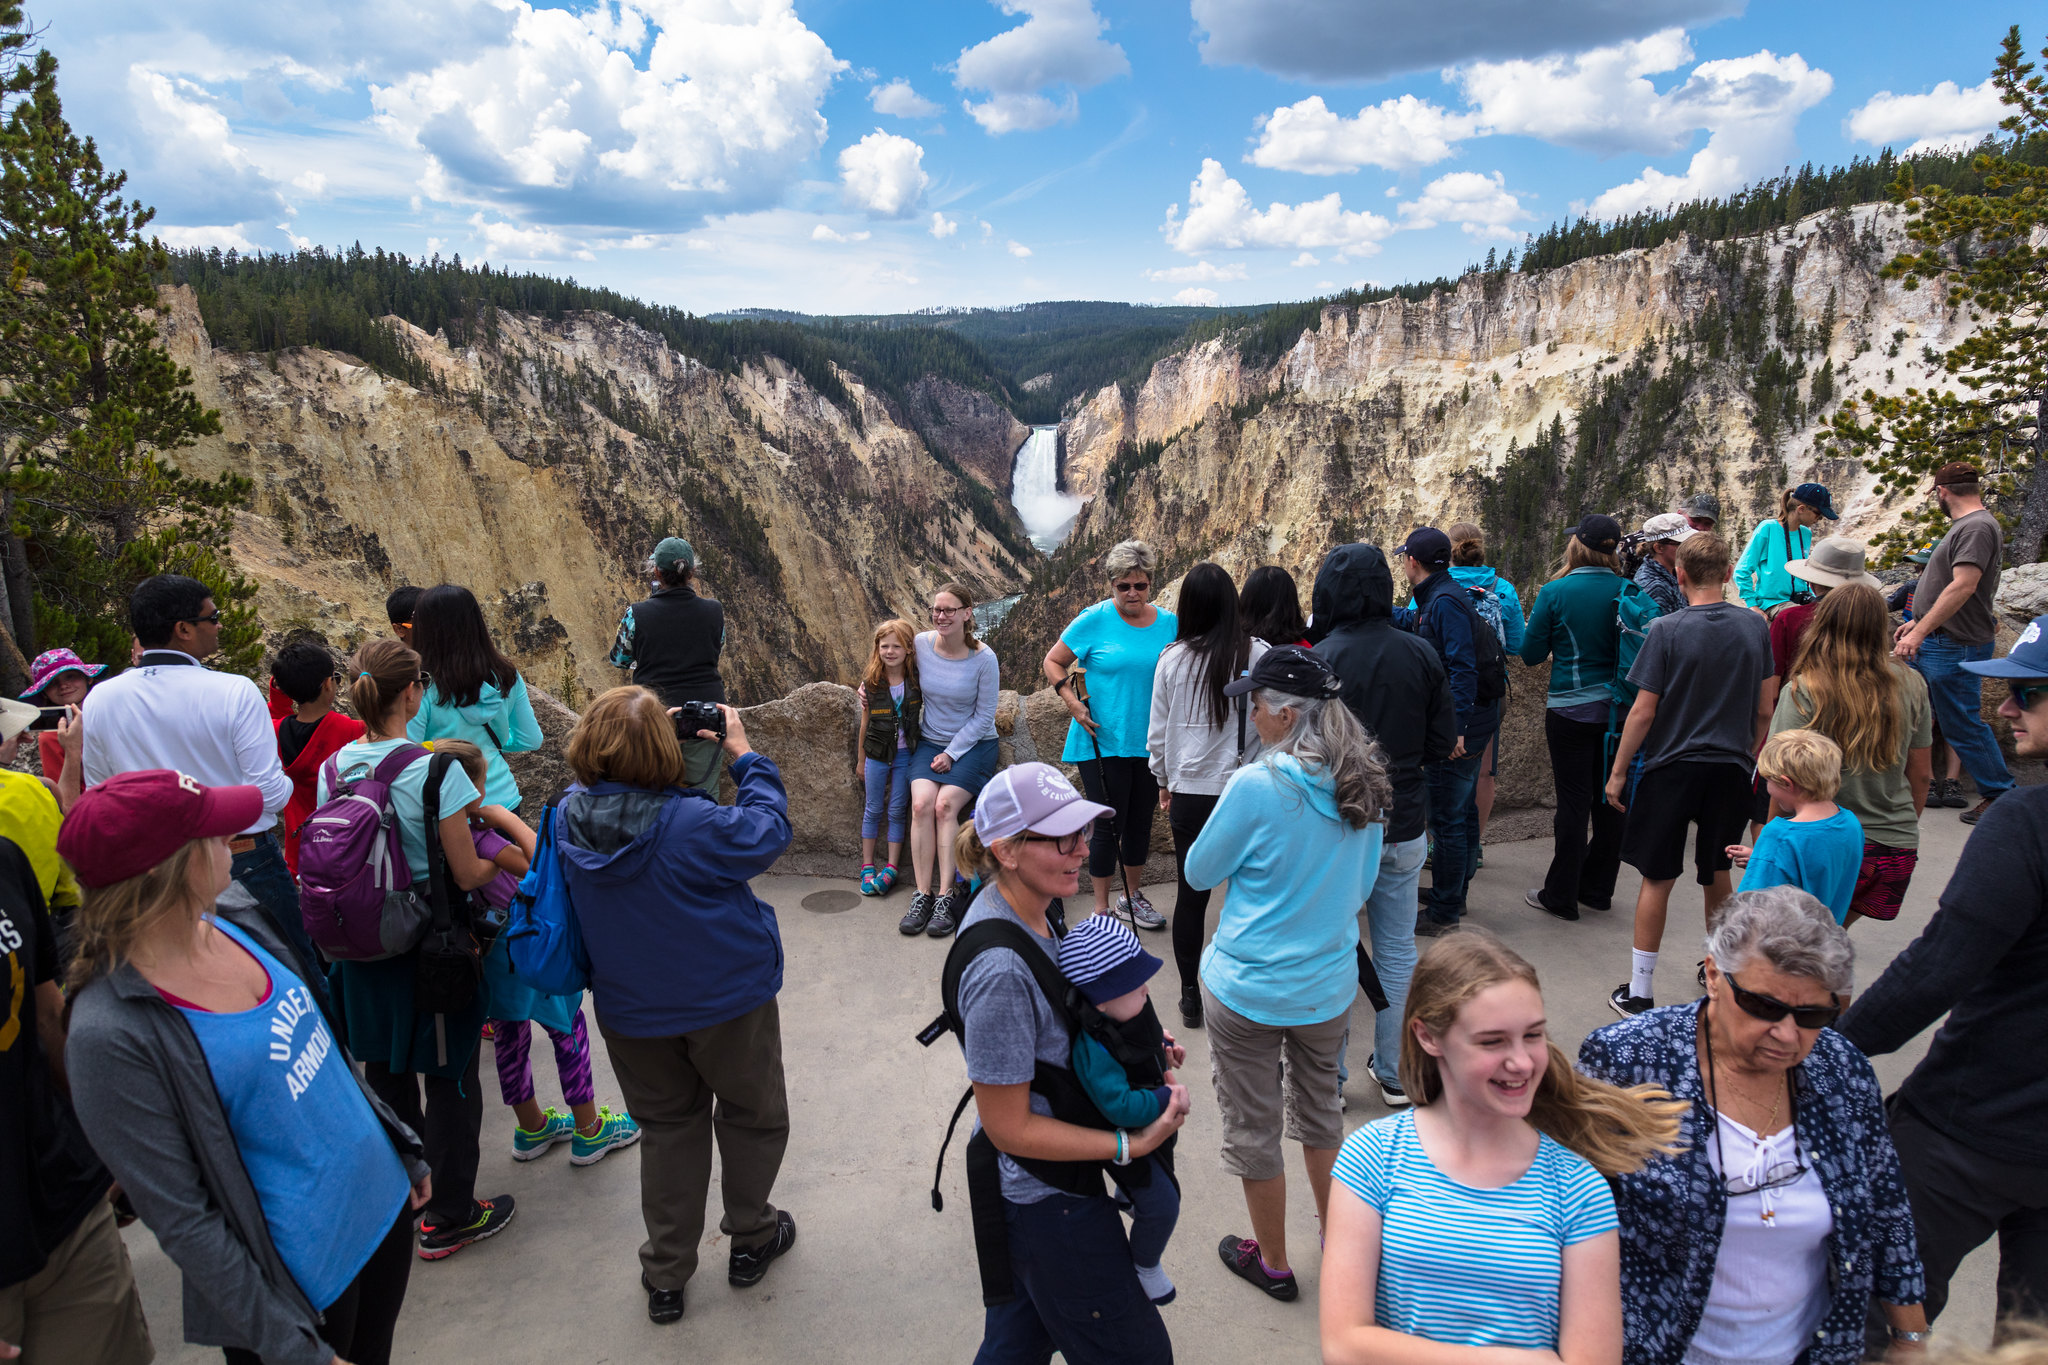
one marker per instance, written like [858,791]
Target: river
[1047,513]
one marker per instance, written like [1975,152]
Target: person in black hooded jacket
[1396,685]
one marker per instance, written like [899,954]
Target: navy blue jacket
[1438,617]
[1673,1209]
[677,939]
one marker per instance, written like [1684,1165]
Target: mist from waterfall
[1047,513]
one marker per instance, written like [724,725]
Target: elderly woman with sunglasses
[1763,1240]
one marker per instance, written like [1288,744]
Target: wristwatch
[1914,1338]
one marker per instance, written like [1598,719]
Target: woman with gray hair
[1763,1240]
[1297,834]
[1102,666]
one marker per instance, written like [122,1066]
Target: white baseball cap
[1671,526]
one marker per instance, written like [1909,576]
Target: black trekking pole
[1077,680]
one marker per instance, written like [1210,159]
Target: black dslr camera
[693,716]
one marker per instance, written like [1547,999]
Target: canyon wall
[541,468]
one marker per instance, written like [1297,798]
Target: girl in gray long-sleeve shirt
[958,677]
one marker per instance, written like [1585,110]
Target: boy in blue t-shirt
[1819,848]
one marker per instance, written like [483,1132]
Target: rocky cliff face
[969,427]
[545,468]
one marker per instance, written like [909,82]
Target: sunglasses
[1777,1177]
[2027,693]
[1771,1010]
[1062,843]
[212,620]
[1134,587]
[425,677]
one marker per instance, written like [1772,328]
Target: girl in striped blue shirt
[1481,1219]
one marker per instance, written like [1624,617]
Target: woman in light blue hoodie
[1297,834]
[475,692]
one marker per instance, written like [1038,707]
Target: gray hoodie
[145,1096]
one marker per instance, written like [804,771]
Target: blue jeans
[1155,1209]
[1388,922]
[1451,783]
[1077,1291]
[1958,696]
[263,874]
[888,787]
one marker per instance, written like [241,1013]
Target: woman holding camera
[955,757]
[685,965]
[1762,579]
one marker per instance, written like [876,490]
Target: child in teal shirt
[1819,847]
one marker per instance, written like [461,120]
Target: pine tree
[90,403]
[1981,247]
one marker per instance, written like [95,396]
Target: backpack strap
[437,864]
[399,759]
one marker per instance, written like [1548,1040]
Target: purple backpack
[355,888]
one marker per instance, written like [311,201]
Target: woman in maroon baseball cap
[212,1086]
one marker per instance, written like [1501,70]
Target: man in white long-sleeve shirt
[170,711]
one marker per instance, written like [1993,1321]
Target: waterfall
[1046,512]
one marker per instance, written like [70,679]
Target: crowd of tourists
[257,946]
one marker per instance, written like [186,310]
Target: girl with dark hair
[473,692]
[1197,738]
[1269,605]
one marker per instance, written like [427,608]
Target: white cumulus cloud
[1305,258]
[191,144]
[1396,135]
[228,237]
[1203,298]
[1059,47]
[504,240]
[1945,118]
[884,174]
[1201,272]
[1019,250]
[944,227]
[1597,101]
[824,233]
[898,100]
[1220,216]
[1480,204]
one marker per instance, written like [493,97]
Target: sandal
[867,880]
[885,880]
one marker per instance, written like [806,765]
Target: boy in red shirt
[306,673]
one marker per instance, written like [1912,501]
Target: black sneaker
[1191,1006]
[1391,1093]
[749,1264]
[1951,796]
[918,915]
[945,918]
[1534,896]
[1241,1254]
[663,1305]
[1625,1004]
[1425,927]
[438,1241]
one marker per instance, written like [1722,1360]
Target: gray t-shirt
[1974,539]
[1705,664]
[1010,1028]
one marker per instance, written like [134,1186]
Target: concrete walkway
[876,1275]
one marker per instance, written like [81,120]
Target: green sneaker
[613,1130]
[555,1126]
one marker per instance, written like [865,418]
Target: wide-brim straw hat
[1837,562]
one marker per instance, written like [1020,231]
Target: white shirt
[210,726]
[1188,752]
[1770,1289]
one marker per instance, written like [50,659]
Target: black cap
[1290,669]
[1426,546]
[1597,532]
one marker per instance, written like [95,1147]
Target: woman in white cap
[1065,1243]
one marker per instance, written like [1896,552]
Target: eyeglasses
[212,620]
[1771,1011]
[1062,843]
[1774,1178]
[2027,693]
[1144,586]
[947,611]
[424,678]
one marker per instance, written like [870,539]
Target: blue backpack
[543,942]
[1634,609]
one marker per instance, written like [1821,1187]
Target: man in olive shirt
[1953,624]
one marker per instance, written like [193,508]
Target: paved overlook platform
[876,1276]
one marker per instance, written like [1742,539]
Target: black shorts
[1714,796]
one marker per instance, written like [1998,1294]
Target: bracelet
[1123,1148]
[1899,1335]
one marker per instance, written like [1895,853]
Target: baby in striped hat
[1121,1058]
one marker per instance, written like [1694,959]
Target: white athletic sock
[1642,974]
[1152,1279]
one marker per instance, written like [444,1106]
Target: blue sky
[843,156]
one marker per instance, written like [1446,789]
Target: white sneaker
[1392,1096]
[1140,911]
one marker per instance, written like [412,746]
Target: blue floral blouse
[1672,1210]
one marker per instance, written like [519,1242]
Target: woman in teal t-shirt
[1117,645]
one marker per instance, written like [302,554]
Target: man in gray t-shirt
[1704,663]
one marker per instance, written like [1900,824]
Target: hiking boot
[613,1132]
[1241,1254]
[663,1305]
[1534,896]
[1140,911]
[749,1264]
[438,1241]
[1625,1004]
[918,915]
[1974,813]
[945,916]
[1191,1006]
[1948,794]
[555,1126]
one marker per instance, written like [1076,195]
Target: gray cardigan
[143,1091]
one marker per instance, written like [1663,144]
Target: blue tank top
[324,1170]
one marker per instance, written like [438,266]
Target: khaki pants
[722,1082]
[81,1308]
[1272,1080]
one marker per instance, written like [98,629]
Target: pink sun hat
[50,663]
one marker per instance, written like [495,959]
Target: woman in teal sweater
[1761,577]
[1574,625]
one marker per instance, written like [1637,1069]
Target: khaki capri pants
[1272,1081]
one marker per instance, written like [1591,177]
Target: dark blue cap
[2028,659]
[1816,496]
[1427,546]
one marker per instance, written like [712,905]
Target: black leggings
[1185,817]
[359,1324]
[1127,787]
[450,1128]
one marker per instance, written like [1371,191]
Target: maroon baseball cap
[129,823]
